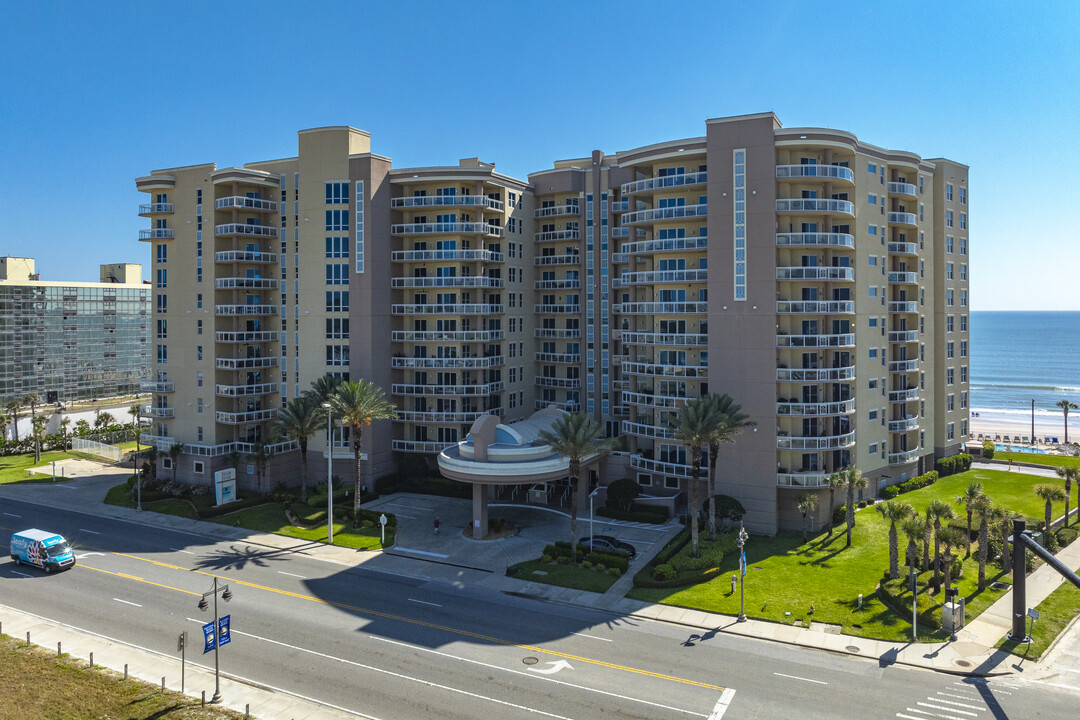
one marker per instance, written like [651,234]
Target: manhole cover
[962,663]
[530,660]
[852,648]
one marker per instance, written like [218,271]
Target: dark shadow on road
[987,695]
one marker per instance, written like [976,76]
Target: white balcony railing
[245,283]
[569,259]
[645,430]
[451,228]
[465,336]
[667,181]
[903,248]
[697,242]
[815,307]
[660,467]
[557,309]
[845,407]
[665,213]
[903,278]
[815,239]
[247,363]
[557,333]
[903,336]
[662,308]
[158,412]
[664,276]
[239,202]
[156,208]
[421,416]
[245,256]
[824,172]
[246,336]
[821,340]
[241,418]
[557,382]
[558,358]
[163,386]
[477,281]
[903,458]
[557,235]
[483,389]
[646,369]
[907,306]
[815,205]
[904,424]
[242,310]
[423,201]
[568,284]
[808,479]
[845,274]
[420,446]
[902,188]
[649,400]
[156,234]
[903,218]
[244,229]
[830,442]
[428,255]
[457,309]
[815,374]
[903,366]
[672,339]
[436,363]
[903,396]
[245,390]
[557,211]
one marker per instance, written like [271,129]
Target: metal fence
[110,452]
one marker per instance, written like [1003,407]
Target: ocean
[1017,357]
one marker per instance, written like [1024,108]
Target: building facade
[827,278]
[67,341]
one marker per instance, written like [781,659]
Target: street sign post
[382,523]
[181,645]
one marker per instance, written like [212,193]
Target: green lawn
[568,576]
[1038,459]
[13,467]
[121,495]
[270,518]
[1055,612]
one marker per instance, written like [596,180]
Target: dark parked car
[606,542]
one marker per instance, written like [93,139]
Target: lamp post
[743,537]
[329,477]
[203,605]
[591,531]
[138,429]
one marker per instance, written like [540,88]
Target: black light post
[203,605]
[743,537]
[329,477]
[138,429]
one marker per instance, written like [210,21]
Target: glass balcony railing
[644,430]
[815,205]
[238,202]
[665,213]
[557,309]
[242,310]
[845,407]
[557,235]
[156,209]
[424,201]
[903,396]
[420,446]
[845,274]
[903,248]
[448,228]
[481,389]
[246,336]
[820,340]
[570,259]
[903,218]
[557,382]
[906,306]
[904,424]
[245,230]
[815,374]
[427,255]
[667,181]
[903,278]
[557,333]
[649,400]
[823,172]
[903,458]
[647,369]
[698,242]
[903,336]
[420,416]
[664,276]
[662,308]
[815,239]
[829,442]
[245,283]
[815,307]
[465,336]
[556,211]
[245,256]
[902,188]
[568,284]
[679,470]
[808,479]
[669,339]
[245,363]
[472,281]
[158,412]
[436,363]
[163,386]
[156,234]
[903,366]
[458,309]
[242,418]
[246,390]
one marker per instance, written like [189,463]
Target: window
[963,196]
[162,253]
[873,352]
[948,243]
[198,379]
[872,384]
[337,220]
[873,448]
[873,261]
[963,271]
[337,247]
[948,218]
[873,322]
[963,298]
[963,221]
[871,168]
[948,192]
[949,376]
[162,354]
[948,323]
[337,193]
[198,353]
[872,415]
[963,323]
[963,373]
[337,301]
[199,434]
[198,302]
[198,405]
[949,271]
[949,350]
[337,274]
[337,328]
[872,229]
[873,291]
[949,298]
[198,327]
[162,329]
[337,355]
[871,198]
[963,246]
[963,399]
[163,303]
[199,467]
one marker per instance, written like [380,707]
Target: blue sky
[93,96]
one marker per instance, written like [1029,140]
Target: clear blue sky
[95,95]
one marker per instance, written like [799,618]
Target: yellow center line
[399,618]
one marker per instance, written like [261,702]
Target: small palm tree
[937,511]
[356,404]
[914,528]
[1070,474]
[730,422]
[693,426]
[1050,495]
[175,451]
[104,420]
[37,430]
[984,511]
[135,412]
[260,456]
[806,504]
[65,423]
[33,400]
[300,419]
[579,438]
[950,538]
[151,452]
[1066,406]
[853,480]
[323,388]
[973,492]
[13,407]
[5,421]
[1002,520]
[834,481]
[895,512]
[82,427]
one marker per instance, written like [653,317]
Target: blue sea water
[1017,357]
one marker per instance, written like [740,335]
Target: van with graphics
[42,549]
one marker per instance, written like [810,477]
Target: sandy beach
[1018,424]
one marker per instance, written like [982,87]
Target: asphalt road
[393,646]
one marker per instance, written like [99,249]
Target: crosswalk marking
[940,707]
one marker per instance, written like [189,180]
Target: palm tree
[806,504]
[937,511]
[151,453]
[82,427]
[37,426]
[33,400]
[1050,494]
[579,438]
[1070,474]
[261,454]
[300,419]
[693,426]
[65,423]
[834,481]
[950,537]
[5,420]
[985,512]
[357,403]
[13,407]
[323,388]
[135,412]
[1002,519]
[1066,406]
[175,451]
[853,480]
[729,423]
[894,511]
[104,420]
[973,492]
[914,528]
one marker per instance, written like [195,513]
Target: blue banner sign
[209,637]
[224,636]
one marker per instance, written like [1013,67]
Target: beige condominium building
[827,278]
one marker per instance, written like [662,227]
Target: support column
[479,510]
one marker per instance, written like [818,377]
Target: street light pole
[226,596]
[592,533]
[329,477]
[743,537]
[138,429]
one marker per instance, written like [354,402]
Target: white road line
[424,602]
[411,507]
[909,717]
[931,714]
[722,704]
[953,702]
[88,531]
[939,707]
[421,552]
[796,677]
[1057,685]
[13,515]
[127,602]
[994,688]
[534,676]
[282,572]
[16,572]
[1069,670]
[187,552]
[410,517]
[954,695]
[592,637]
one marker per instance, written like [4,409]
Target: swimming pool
[1019,449]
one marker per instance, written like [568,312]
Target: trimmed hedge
[424,485]
[889,492]
[953,465]
[1067,535]
[636,513]
[560,552]
[988,449]
[671,569]
[839,515]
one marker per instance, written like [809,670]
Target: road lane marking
[1051,684]
[88,531]
[796,677]
[421,552]
[995,688]
[188,552]
[16,572]
[424,602]
[953,702]
[12,515]
[282,572]
[544,678]
[400,618]
[948,709]
[410,517]
[127,602]
[80,556]
[592,637]
[722,704]
[556,666]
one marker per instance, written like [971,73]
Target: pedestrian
[436,524]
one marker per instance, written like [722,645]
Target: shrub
[672,549]
[616,572]
[861,504]
[869,501]
[545,558]
[622,493]
[1050,542]
[564,559]
[988,449]
[664,572]
[839,515]
[727,507]
[586,565]
[889,492]
[1066,536]
[609,559]
[637,513]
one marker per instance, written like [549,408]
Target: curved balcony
[245,230]
[556,211]
[698,242]
[903,248]
[841,274]
[245,256]
[558,358]
[482,389]
[557,333]
[845,407]
[164,386]
[428,255]
[904,396]
[645,369]
[906,306]
[902,188]
[557,382]
[903,218]
[246,310]
[903,336]
[450,228]
[666,213]
[570,259]
[815,307]
[664,276]
[568,284]
[158,412]
[156,234]
[420,446]
[815,239]
[161,442]
[649,400]
[246,336]
[829,442]
[903,278]
[464,336]
[149,209]
[904,424]
[820,172]
[557,309]
[557,235]
[426,201]
[903,458]
[662,308]
[815,205]
[820,340]
[472,281]
[669,339]
[419,416]
[238,202]
[428,363]
[815,374]
[245,283]
[245,363]
[242,418]
[903,366]
[644,430]
[660,467]
[245,390]
[802,480]
[666,181]
[457,309]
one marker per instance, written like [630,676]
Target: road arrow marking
[556,666]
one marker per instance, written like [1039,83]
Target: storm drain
[852,648]
[962,663]
[530,660]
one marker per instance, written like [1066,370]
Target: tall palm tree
[579,438]
[973,492]
[33,400]
[983,510]
[853,480]
[260,456]
[895,512]
[356,404]
[300,419]
[65,423]
[914,528]
[806,505]
[1070,474]
[13,407]
[1066,406]
[937,511]
[730,422]
[1002,520]
[1050,495]
[5,421]
[37,430]
[135,412]
[950,538]
[834,481]
[693,426]
[322,388]
[175,451]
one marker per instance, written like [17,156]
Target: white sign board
[225,486]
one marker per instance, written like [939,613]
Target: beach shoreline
[992,422]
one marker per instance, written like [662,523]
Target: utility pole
[226,595]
